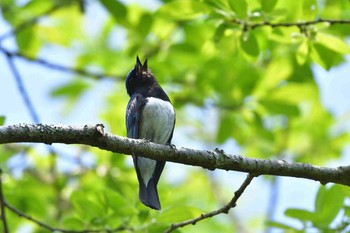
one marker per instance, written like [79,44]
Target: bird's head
[138,77]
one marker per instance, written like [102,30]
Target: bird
[150,115]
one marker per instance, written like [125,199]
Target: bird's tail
[149,195]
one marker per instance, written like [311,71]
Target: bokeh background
[265,92]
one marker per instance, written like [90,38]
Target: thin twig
[237,224]
[59,67]
[53,229]
[21,89]
[225,209]
[247,25]
[2,207]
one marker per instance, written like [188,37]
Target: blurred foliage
[258,81]
[330,214]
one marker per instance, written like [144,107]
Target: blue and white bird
[149,115]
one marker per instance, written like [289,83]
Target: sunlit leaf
[73,222]
[329,202]
[333,42]
[280,107]
[72,90]
[220,31]
[309,9]
[281,226]
[189,10]
[116,9]
[268,5]
[226,125]
[275,74]
[2,120]
[250,45]
[88,208]
[302,215]
[240,7]
[28,42]
[323,56]
[302,52]
[295,93]
[178,214]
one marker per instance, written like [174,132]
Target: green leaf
[2,120]
[294,93]
[73,222]
[329,203]
[189,10]
[72,90]
[178,214]
[68,21]
[145,24]
[220,31]
[225,128]
[219,4]
[309,9]
[280,107]
[249,44]
[319,202]
[240,7]
[323,56]
[118,203]
[280,225]
[333,42]
[268,5]
[28,42]
[347,211]
[302,215]
[158,228]
[302,52]
[87,208]
[276,73]
[116,9]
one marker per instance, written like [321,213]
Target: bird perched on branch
[149,115]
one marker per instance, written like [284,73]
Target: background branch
[2,207]
[54,229]
[216,159]
[225,209]
[247,25]
[58,67]
[22,90]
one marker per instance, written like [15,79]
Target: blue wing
[148,194]
[133,115]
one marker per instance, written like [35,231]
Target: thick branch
[216,159]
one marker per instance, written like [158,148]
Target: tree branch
[2,207]
[53,229]
[22,90]
[59,67]
[301,24]
[225,209]
[216,159]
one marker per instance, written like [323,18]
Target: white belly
[158,118]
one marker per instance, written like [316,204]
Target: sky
[38,81]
